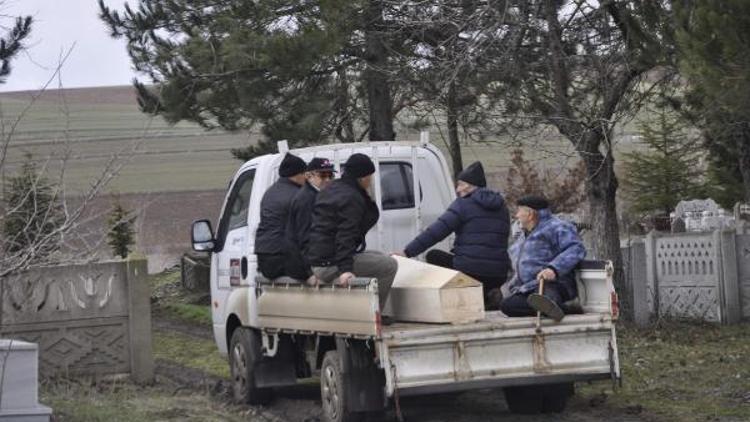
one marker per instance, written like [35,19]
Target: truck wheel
[333,391]
[556,397]
[244,352]
[525,400]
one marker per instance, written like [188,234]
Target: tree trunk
[345,127]
[601,189]
[744,160]
[453,144]
[376,76]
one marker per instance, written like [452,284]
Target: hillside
[89,125]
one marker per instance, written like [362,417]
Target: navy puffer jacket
[482,223]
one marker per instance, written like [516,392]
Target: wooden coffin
[427,293]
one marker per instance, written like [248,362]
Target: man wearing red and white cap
[319,174]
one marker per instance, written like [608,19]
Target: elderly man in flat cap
[548,249]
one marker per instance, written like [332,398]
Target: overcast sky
[96,59]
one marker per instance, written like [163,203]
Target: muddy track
[161,322]
[301,403]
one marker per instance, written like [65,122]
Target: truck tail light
[615,305]
[378,324]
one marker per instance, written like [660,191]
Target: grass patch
[683,371]
[164,278]
[123,401]
[196,314]
[177,303]
[191,352]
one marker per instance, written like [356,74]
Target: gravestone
[742,217]
[18,389]
[701,215]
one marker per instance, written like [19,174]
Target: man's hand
[399,253]
[547,274]
[345,278]
[313,281]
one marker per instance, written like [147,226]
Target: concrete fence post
[639,283]
[139,309]
[728,283]
[652,277]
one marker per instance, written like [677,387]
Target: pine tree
[665,168]
[32,212]
[301,71]
[121,235]
[12,43]
[714,57]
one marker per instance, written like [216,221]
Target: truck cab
[399,166]
[276,332]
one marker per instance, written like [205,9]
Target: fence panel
[743,272]
[688,276]
[87,319]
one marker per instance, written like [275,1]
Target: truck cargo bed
[498,351]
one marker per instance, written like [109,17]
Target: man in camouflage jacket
[549,249]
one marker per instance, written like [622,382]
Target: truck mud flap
[278,370]
[365,388]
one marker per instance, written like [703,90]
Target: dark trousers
[445,260]
[271,265]
[516,305]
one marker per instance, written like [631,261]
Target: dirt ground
[674,371]
[302,402]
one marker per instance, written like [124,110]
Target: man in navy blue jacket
[481,222]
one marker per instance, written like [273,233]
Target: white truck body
[409,358]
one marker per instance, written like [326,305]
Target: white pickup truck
[277,332]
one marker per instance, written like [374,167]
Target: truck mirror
[203,236]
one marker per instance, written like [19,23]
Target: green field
[90,125]
[89,131]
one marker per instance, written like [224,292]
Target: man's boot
[546,306]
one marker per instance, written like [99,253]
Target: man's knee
[391,266]
[516,306]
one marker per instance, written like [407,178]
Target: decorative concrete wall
[87,319]
[690,275]
[743,272]
[687,276]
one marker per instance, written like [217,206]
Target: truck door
[232,239]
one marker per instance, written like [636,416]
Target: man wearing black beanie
[480,219]
[342,216]
[270,239]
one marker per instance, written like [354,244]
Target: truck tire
[244,352]
[333,391]
[556,397]
[533,399]
[524,400]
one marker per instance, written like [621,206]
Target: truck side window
[235,213]
[396,182]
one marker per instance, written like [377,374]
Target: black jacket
[342,216]
[274,210]
[482,224]
[298,229]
